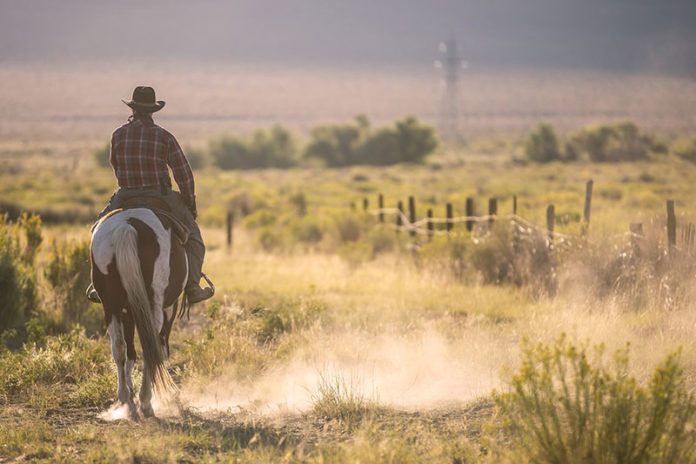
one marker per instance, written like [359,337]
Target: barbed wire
[523,225]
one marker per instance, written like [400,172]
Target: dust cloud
[432,368]
[116,411]
[420,370]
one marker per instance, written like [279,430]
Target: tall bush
[68,274]
[266,148]
[408,141]
[542,144]
[339,144]
[613,142]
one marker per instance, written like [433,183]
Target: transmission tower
[451,63]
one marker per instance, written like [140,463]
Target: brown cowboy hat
[144,100]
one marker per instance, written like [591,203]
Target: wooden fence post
[514,205]
[412,214]
[469,213]
[687,239]
[671,227]
[430,224]
[588,205]
[380,203]
[636,229]
[550,222]
[230,225]
[366,204]
[399,222]
[449,217]
[492,210]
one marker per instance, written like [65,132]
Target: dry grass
[265,364]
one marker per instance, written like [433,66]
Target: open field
[81,101]
[417,348]
[332,338]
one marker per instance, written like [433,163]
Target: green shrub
[229,152]
[18,285]
[68,274]
[275,147]
[338,145]
[267,148]
[416,140]
[493,256]
[506,254]
[80,366]
[566,404]
[382,148]
[613,142]
[408,141]
[542,144]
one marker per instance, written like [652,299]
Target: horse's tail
[125,238]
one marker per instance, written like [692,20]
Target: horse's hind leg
[119,351]
[146,392]
[148,371]
[129,333]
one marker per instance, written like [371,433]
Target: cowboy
[141,153]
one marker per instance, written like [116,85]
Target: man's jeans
[195,249]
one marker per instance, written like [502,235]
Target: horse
[139,270]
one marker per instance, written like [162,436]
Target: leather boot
[196,294]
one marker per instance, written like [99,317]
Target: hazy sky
[652,35]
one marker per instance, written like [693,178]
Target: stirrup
[210,283]
[92,294]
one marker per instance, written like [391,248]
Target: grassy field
[325,352]
[331,337]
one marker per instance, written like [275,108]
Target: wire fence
[426,226]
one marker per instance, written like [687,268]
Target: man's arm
[183,175]
[112,157]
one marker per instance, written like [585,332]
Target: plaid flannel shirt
[140,153]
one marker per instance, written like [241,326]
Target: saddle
[162,211]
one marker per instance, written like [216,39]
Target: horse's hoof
[147,412]
[120,410]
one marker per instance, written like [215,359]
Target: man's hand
[191,203]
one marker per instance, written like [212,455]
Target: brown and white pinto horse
[139,269]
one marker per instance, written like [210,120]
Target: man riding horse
[141,152]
